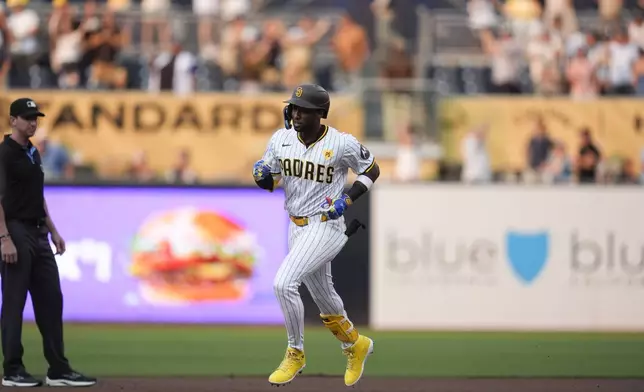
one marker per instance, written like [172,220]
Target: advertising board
[615,124]
[507,258]
[167,255]
[224,133]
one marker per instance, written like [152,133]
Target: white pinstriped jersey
[310,174]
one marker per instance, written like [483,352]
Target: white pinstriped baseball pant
[311,250]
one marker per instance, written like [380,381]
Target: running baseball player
[313,164]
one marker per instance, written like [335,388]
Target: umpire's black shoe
[24,380]
[70,379]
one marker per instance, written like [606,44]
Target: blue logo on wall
[527,253]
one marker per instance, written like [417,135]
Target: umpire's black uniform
[35,269]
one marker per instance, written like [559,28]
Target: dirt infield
[314,384]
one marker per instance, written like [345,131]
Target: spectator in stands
[174,70]
[622,55]
[636,30]
[155,15]
[103,43]
[56,161]
[251,63]
[181,173]
[539,149]
[582,77]
[396,73]
[638,74]
[408,159]
[24,25]
[119,6]
[558,167]
[90,25]
[384,31]
[506,55]
[482,15]
[5,46]
[231,9]
[91,14]
[351,47]
[588,159]
[562,11]
[61,17]
[270,54]
[259,58]
[524,17]
[544,57]
[627,174]
[208,21]
[298,44]
[598,54]
[66,46]
[610,12]
[476,159]
[139,169]
[558,36]
[575,41]
[212,16]
[236,35]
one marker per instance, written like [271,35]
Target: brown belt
[304,220]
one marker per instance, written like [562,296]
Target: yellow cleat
[356,358]
[292,365]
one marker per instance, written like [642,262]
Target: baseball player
[313,164]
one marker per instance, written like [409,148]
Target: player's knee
[284,287]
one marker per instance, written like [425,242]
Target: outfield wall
[507,258]
[433,256]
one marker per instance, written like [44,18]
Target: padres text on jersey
[309,174]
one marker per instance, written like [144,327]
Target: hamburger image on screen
[189,255]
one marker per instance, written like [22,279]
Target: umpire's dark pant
[35,272]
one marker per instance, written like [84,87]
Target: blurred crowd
[550,161]
[183,46]
[62,164]
[562,55]
[65,50]
[95,44]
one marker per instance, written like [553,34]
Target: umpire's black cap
[24,107]
[311,96]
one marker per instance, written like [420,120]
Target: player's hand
[335,208]
[59,242]
[261,170]
[9,252]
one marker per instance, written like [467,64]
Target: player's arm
[358,158]
[363,183]
[267,171]
[265,183]
[269,182]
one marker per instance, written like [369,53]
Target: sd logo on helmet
[307,96]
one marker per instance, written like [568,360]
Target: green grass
[205,351]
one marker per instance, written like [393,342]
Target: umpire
[28,263]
